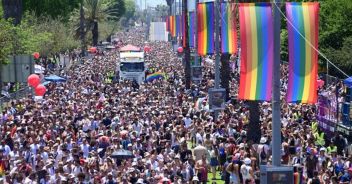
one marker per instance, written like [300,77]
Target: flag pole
[217,51]
[276,114]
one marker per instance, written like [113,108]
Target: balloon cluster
[34,81]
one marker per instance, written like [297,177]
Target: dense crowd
[71,135]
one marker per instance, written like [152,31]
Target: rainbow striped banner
[257,50]
[172,26]
[191,26]
[303,59]
[205,13]
[228,28]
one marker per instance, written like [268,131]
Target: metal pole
[217,52]
[187,50]
[276,124]
[196,56]
[327,73]
[217,46]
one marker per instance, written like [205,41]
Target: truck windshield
[132,67]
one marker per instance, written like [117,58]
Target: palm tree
[97,11]
[169,3]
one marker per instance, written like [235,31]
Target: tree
[130,10]
[13,9]
[162,11]
[169,3]
[98,11]
[52,8]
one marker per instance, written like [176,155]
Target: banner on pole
[303,27]
[228,28]
[257,51]
[205,13]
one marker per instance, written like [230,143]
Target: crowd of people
[72,135]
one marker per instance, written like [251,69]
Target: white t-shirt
[188,122]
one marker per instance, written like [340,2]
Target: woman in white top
[247,171]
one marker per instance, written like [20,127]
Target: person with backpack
[263,150]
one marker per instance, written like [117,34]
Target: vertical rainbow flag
[191,25]
[2,169]
[205,13]
[257,50]
[228,28]
[172,26]
[302,19]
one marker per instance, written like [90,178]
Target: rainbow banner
[155,76]
[205,13]
[302,20]
[172,26]
[257,50]
[191,26]
[228,28]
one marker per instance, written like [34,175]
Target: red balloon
[93,50]
[40,90]
[33,80]
[36,55]
[180,49]
[146,49]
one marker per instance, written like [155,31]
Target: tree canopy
[53,8]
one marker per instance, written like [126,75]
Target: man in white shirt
[188,121]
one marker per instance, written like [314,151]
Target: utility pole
[217,52]
[276,116]
[196,56]
[186,49]
[82,32]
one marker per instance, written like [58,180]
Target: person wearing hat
[247,171]
[263,151]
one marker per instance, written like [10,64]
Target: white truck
[132,66]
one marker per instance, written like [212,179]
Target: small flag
[303,19]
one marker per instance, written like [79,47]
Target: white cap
[247,161]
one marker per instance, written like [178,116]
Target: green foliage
[53,8]
[98,12]
[5,40]
[130,13]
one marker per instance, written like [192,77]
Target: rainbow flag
[303,59]
[172,26]
[191,25]
[154,76]
[205,13]
[2,169]
[257,50]
[228,28]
